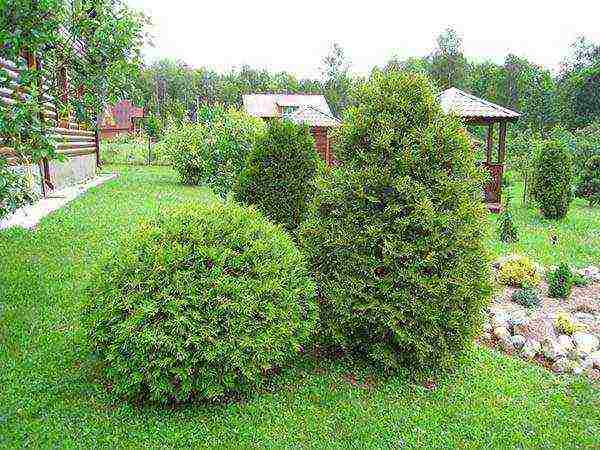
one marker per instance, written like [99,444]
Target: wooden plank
[61,130]
[74,145]
[489,143]
[72,138]
[502,143]
[78,152]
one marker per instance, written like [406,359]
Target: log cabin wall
[77,144]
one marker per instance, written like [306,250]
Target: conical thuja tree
[396,233]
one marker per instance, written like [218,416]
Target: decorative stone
[585,343]
[595,359]
[538,328]
[518,317]
[500,320]
[530,348]
[590,272]
[518,341]
[507,345]
[587,363]
[552,349]
[562,365]
[486,336]
[577,370]
[585,318]
[566,343]
[593,375]
[502,333]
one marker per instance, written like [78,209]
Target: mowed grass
[49,397]
[577,235]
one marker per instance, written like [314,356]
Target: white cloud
[294,36]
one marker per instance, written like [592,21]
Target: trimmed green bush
[588,186]
[280,172]
[200,303]
[396,232]
[528,297]
[212,152]
[552,179]
[560,282]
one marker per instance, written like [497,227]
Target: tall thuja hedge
[552,179]
[396,233]
[279,175]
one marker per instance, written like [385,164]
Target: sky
[295,36]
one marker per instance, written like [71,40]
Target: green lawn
[578,234]
[49,398]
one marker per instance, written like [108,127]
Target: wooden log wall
[72,139]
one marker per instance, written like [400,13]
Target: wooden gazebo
[476,111]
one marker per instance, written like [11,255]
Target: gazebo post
[489,143]
[502,143]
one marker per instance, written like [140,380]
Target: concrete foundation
[74,170]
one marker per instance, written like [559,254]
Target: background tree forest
[563,105]
[171,89]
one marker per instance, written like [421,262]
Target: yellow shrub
[519,271]
[565,325]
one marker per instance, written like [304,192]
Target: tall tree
[448,63]
[580,83]
[336,79]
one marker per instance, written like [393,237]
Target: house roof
[309,115]
[265,105]
[120,114]
[468,106]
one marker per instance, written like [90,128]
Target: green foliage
[132,149]
[448,63]
[199,303]
[280,172]
[527,297]
[588,185]
[519,271]
[212,152]
[560,282]
[507,230]
[580,280]
[50,386]
[14,190]
[552,179]
[565,325]
[395,234]
[53,33]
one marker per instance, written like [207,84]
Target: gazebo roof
[309,115]
[473,108]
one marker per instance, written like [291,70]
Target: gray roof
[468,106]
[265,105]
[309,115]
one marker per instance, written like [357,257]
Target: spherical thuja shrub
[588,186]
[200,303]
[279,175]
[552,179]
[396,232]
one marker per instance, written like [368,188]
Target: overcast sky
[294,36]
